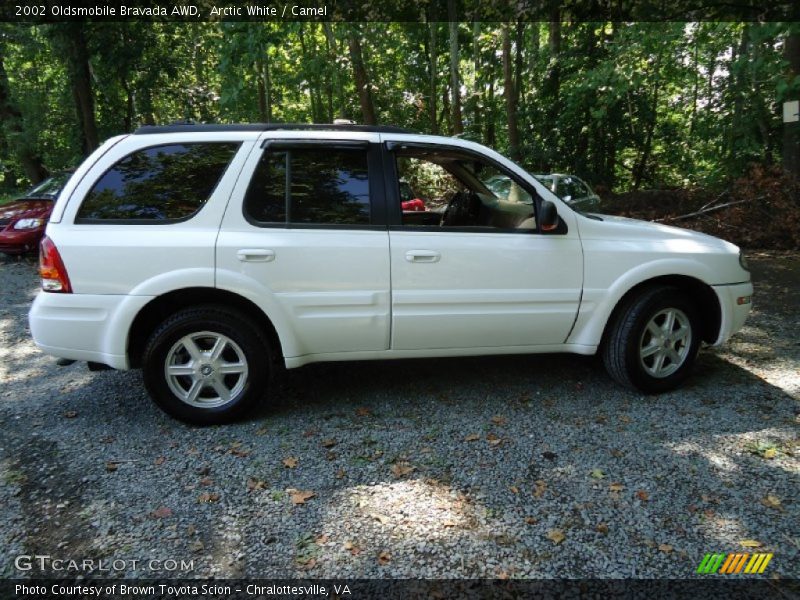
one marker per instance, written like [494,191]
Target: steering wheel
[463,209]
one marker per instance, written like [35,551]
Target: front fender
[599,302]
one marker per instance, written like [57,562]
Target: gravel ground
[531,467]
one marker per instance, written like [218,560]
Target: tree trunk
[791,131]
[640,169]
[432,77]
[14,126]
[455,84]
[510,95]
[77,55]
[476,68]
[361,77]
[333,57]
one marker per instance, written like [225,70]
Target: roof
[209,127]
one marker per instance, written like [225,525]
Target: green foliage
[625,106]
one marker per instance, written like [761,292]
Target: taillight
[51,268]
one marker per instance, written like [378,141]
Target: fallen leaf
[363,412]
[308,563]
[449,524]
[493,439]
[513,489]
[531,520]
[322,539]
[71,414]
[771,501]
[160,460]
[556,536]
[401,469]
[310,432]
[751,543]
[191,530]
[254,484]
[262,431]
[642,495]
[597,474]
[601,528]
[290,462]
[625,419]
[601,419]
[616,487]
[330,443]
[112,466]
[240,452]
[617,453]
[384,558]
[206,481]
[340,474]
[351,548]
[197,546]
[382,519]
[300,496]
[539,489]
[206,497]
[665,548]
[330,455]
[770,453]
[498,420]
[161,513]
[472,437]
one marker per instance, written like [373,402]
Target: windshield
[50,187]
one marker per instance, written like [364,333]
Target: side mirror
[548,216]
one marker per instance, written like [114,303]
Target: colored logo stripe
[734,563]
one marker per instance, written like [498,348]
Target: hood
[26,209]
[624,228]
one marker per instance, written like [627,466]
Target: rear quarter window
[158,184]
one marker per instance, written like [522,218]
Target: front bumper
[20,241]
[734,313]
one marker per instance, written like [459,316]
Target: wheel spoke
[218,348]
[669,322]
[194,391]
[650,350]
[655,330]
[231,368]
[178,370]
[191,347]
[223,392]
[674,357]
[658,364]
[680,334]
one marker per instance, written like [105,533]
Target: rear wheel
[653,341]
[207,365]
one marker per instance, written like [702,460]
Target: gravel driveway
[532,466]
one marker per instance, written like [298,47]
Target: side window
[453,189]
[157,184]
[315,186]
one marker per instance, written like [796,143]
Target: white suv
[212,255]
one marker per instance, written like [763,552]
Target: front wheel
[206,365]
[653,341]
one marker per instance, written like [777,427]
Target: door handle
[420,256]
[255,255]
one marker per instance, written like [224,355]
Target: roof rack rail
[209,127]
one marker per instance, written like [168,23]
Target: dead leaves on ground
[384,558]
[556,536]
[300,496]
[290,462]
[162,512]
[401,469]
[208,497]
[254,485]
[771,501]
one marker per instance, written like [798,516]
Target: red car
[23,221]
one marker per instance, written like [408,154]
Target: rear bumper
[85,326]
[733,313]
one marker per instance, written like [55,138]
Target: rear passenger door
[299,234]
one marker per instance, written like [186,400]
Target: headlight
[743,261]
[28,224]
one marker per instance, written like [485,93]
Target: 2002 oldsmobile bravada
[210,255]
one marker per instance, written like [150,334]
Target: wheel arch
[158,309]
[699,292]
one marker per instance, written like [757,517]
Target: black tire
[245,349]
[632,350]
